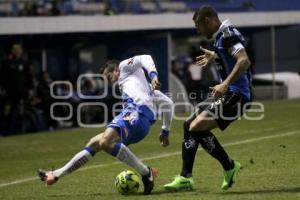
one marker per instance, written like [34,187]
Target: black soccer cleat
[148,180]
[42,174]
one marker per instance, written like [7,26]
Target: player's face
[112,76]
[203,28]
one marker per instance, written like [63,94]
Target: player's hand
[219,89]
[164,140]
[205,59]
[155,83]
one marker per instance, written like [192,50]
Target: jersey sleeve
[165,106]
[233,40]
[141,61]
[235,48]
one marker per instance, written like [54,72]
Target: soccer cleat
[230,175]
[48,177]
[180,183]
[148,180]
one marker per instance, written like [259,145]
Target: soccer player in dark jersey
[225,103]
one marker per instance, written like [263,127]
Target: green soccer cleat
[180,183]
[230,175]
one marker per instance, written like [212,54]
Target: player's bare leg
[109,142]
[102,141]
[80,159]
[203,122]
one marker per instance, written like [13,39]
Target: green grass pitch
[268,150]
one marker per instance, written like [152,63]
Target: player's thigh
[204,121]
[94,142]
[108,139]
[103,139]
[137,131]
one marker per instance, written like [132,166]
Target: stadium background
[64,39]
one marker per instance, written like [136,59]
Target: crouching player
[140,102]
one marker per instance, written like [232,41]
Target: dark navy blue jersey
[225,39]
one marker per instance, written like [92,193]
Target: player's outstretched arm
[166,107]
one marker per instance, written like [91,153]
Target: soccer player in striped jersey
[228,99]
[140,103]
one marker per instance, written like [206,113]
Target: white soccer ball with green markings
[127,182]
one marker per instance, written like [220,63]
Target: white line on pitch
[18,181]
[162,156]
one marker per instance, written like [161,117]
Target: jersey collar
[224,24]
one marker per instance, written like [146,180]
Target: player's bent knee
[105,144]
[202,125]
[94,143]
[198,125]
[194,126]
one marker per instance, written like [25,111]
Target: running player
[227,99]
[131,125]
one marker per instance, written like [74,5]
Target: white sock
[125,155]
[75,163]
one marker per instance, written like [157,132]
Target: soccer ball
[127,182]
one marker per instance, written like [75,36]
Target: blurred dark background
[31,62]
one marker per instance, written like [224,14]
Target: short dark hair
[110,66]
[203,12]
